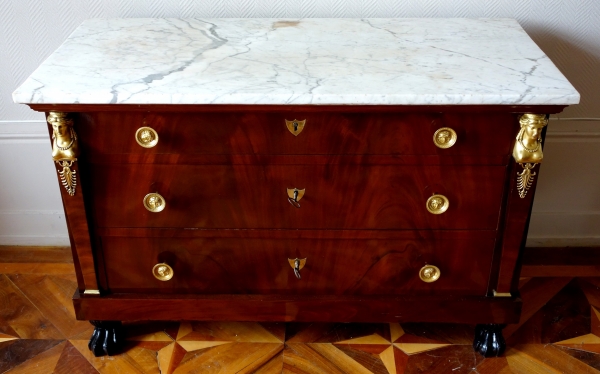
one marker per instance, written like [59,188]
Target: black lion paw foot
[107,338]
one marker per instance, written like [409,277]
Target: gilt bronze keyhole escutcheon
[295,126]
[297,264]
[294,195]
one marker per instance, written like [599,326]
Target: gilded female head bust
[64,145]
[528,147]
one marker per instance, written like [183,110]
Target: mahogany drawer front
[333,266]
[336,196]
[324,133]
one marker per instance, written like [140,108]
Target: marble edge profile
[249,99]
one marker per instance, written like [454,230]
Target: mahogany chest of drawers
[245,194]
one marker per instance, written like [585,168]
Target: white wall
[566,209]
[30,206]
[567,204]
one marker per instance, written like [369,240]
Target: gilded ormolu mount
[295,126]
[528,149]
[64,148]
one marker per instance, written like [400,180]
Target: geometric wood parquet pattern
[559,333]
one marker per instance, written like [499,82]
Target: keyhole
[295,195]
[297,269]
[295,126]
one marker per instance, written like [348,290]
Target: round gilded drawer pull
[146,137]
[429,273]
[162,272]
[444,137]
[437,204]
[154,202]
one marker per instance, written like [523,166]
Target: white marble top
[300,61]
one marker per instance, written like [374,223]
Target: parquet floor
[559,333]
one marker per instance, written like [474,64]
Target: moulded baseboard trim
[23,131]
[48,227]
[31,240]
[60,241]
[33,227]
[539,241]
[572,137]
[24,138]
[559,137]
[547,228]
[564,229]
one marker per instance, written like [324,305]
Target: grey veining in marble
[303,61]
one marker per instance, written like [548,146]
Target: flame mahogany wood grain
[324,134]
[373,168]
[333,267]
[194,159]
[451,309]
[337,196]
[129,232]
[516,226]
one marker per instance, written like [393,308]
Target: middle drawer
[333,196]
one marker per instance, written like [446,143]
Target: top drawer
[261,133]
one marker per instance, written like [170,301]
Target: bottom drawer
[388,263]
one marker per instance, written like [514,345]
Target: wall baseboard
[19,132]
[564,229]
[47,227]
[35,241]
[31,227]
[535,242]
